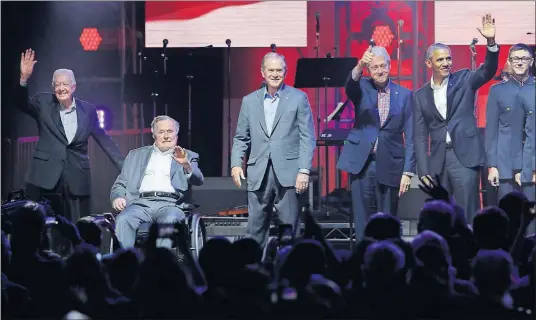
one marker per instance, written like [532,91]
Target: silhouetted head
[492,272]
[383,265]
[28,227]
[490,228]
[437,216]
[382,226]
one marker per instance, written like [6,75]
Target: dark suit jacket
[460,121]
[527,96]
[53,154]
[505,118]
[392,159]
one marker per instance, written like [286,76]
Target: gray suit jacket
[290,146]
[127,184]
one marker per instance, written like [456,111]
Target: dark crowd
[450,270]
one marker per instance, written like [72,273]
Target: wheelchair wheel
[197,234]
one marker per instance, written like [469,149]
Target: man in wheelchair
[154,184]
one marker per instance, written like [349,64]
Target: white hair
[381,52]
[273,55]
[163,118]
[67,72]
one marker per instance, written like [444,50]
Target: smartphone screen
[286,236]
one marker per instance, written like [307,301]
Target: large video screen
[245,23]
[456,21]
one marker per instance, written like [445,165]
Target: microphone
[165,43]
[401,23]
[372,43]
[473,43]
[317,23]
[228,42]
[273,47]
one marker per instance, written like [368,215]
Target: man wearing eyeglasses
[378,152]
[276,127]
[506,115]
[447,140]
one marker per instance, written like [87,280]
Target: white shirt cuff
[306,171]
[495,48]
[188,175]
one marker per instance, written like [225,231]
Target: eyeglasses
[517,59]
[382,67]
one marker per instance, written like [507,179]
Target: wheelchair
[195,227]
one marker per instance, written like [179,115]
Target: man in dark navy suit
[60,162]
[378,152]
[447,140]
[505,119]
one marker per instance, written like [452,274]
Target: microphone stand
[229,138]
[189,78]
[164,59]
[398,50]
[318,121]
[142,117]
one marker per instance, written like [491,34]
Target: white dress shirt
[157,176]
[440,99]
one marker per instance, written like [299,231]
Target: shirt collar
[71,108]
[528,80]
[168,152]
[385,89]
[443,84]
[266,94]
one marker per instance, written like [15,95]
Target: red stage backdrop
[346,28]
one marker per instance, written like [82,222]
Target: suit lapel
[260,111]
[81,119]
[283,99]
[56,119]
[429,97]
[174,168]
[145,162]
[450,97]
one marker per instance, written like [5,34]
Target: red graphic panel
[184,10]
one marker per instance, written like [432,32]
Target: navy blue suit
[457,163]
[375,179]
[527,96]
[505,118]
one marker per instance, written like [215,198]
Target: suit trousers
[370,196]
[261,204]
[142,210]
[462,182]
[68,205]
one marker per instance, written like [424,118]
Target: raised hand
[181,156]
[488,27]
[434,189]
[367,57]
[27,62]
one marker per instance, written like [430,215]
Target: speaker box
[219,194]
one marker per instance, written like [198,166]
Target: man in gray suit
[154,182]
[276,126]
